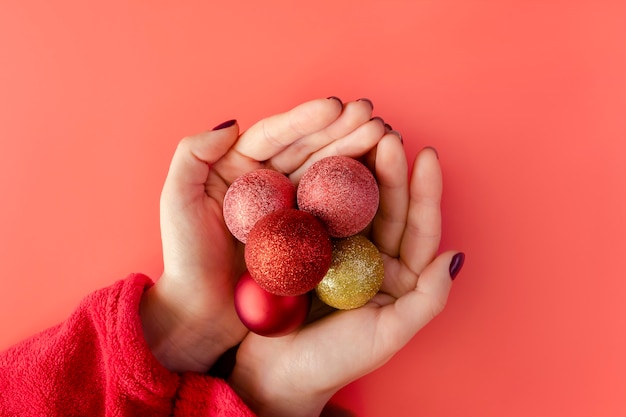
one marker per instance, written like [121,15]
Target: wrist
[273,397]
[171,341]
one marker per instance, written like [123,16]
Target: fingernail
[395,132]
[456,264]
[336,98]
[432,149]
[368,101]
[224,125]
[379,119]
[388,127]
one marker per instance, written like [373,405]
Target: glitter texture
[355,275]
[341,192]
[288,252]
[254,195]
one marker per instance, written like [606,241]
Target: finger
[189,168]
[354,145]
[354,114]
[401,320]
[391,174]
[422,234]
[271,135]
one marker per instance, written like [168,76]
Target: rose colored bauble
[355,275]
[252,196]
[341,192]
[268,314]
[288,252]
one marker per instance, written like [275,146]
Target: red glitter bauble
[254,195]
[268,314]
[288,252]
[341,192]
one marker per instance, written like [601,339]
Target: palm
[331,352]
[202,260]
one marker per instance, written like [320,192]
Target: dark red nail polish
[433,149]
[378,118]
[224,125]
[368,101]
[336,98]
[456,264]
[388,127]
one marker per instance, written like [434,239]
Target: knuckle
[437,305]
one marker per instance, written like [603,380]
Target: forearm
[95,362]
[169,340]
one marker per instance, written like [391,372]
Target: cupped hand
[188,316]
[298,373]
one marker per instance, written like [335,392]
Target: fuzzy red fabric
[97,363]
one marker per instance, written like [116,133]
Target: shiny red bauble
[268,314]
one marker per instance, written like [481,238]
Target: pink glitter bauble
[288,252]
[254,195]
[341,192]
[268,314]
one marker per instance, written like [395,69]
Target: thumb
[417,308]
[194,155]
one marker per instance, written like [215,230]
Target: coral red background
[524,100]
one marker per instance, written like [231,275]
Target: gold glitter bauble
[355,274]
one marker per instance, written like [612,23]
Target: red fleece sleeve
[97,363]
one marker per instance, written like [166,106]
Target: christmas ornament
[355,275]
[254,195]
[288,252]
[268,314]
[341,192]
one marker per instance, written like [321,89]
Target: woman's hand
[188,316]
[295,375]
